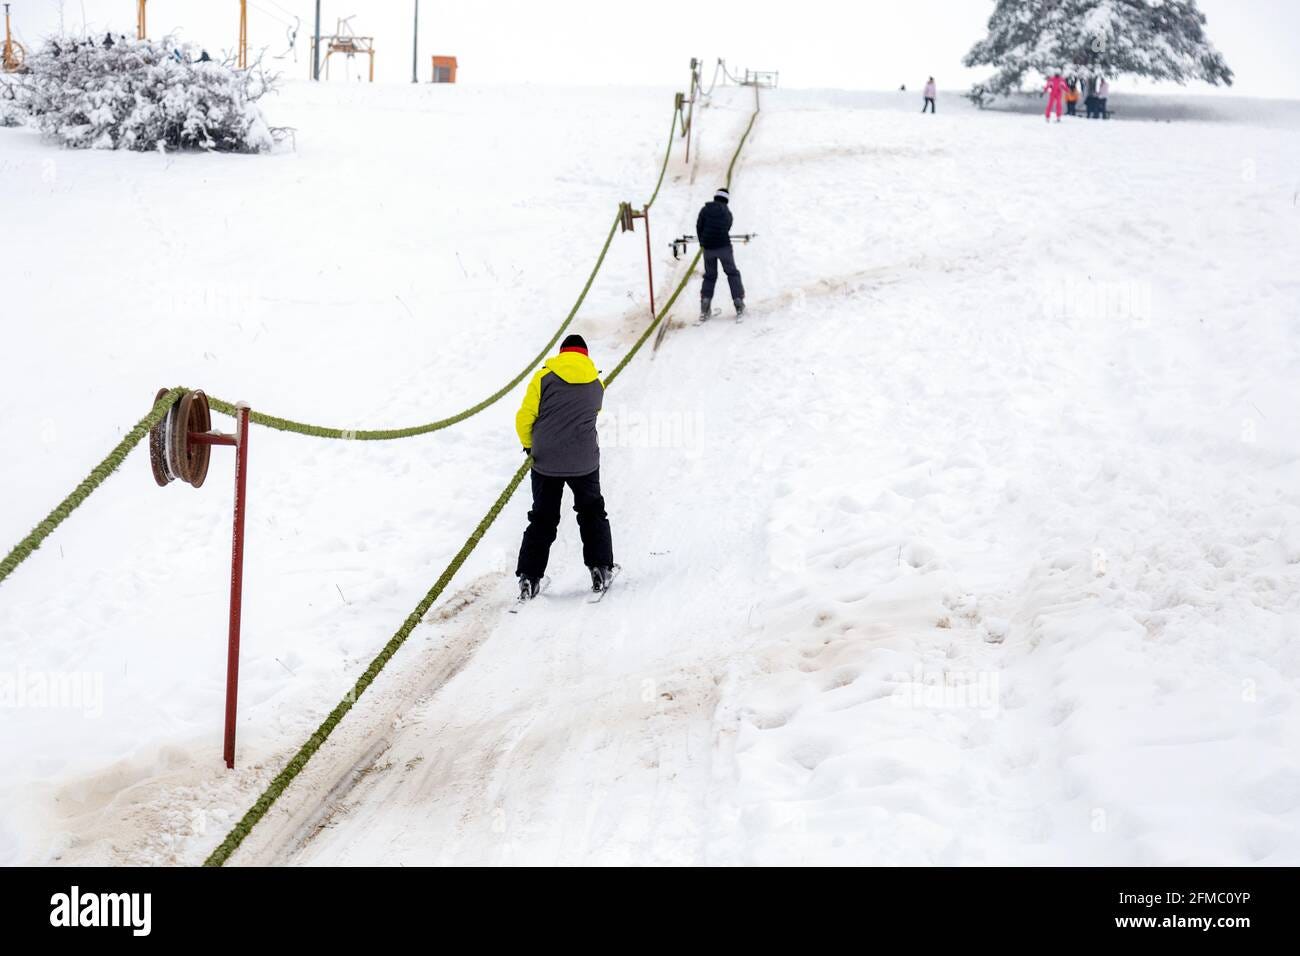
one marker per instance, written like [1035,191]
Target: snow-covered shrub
[142,95]
[11,114]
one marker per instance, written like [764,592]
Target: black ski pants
[711,259]
[928,104]
[544,520]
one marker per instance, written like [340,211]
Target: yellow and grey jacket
[558,417]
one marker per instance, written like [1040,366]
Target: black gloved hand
[528,452]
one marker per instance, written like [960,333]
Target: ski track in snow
[978,542]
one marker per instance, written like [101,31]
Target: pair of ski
[714,314]
[595,597]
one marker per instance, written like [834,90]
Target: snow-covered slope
[979,541]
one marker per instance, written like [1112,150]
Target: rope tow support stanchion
[180,445]
[222,853]
[627,220]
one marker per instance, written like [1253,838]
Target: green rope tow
[388,434]
[299,760]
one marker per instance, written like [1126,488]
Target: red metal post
[236,578]
[649,263]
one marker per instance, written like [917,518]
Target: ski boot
[706,309]
[529,588]
[740,306]
[600,578]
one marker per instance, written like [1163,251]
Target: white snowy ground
[978,542]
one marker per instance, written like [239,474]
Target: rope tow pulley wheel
[200,421]
[178,438]
[162,472]
[627,216]
[189,459]
[185,459]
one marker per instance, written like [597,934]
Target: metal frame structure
[627,217]
[13,52]
[346,42]
[765,78]
[682,243]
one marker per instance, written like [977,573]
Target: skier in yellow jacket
[557,426]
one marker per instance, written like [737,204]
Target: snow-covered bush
[11,114]
[142,95]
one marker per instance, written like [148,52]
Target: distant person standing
[1103,94]
[1055,89]
[713,229]
[930,92]
[1072,99]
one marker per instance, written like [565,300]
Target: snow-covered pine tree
[142,95]
[1090,39]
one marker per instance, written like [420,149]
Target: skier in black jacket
[713,228]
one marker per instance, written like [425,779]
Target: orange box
[444,69]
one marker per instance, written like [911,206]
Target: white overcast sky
[863,44]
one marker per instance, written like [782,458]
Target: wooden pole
[236,581]
[243,34]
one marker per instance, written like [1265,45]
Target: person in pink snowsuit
[1055,89]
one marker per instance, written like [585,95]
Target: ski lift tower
[348,43]
[14,54]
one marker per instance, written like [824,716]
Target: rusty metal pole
[649,263]
[236,578]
